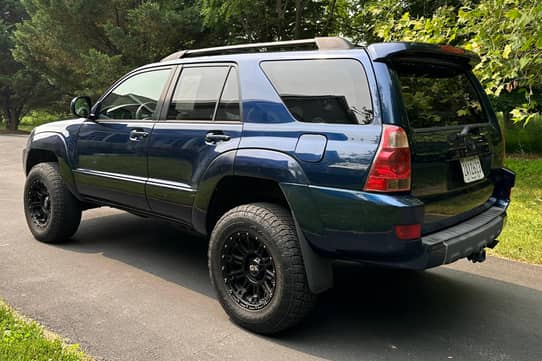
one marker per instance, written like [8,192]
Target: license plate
[472,169]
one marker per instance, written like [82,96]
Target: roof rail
[321,43]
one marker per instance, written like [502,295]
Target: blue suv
[288,156]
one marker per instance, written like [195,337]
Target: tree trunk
[11,116]
[280,18]
[12,121]
[329,18]
[298,18]
[508,121]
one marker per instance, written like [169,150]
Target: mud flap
[319,269]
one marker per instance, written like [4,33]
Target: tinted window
[136,97]
[437,95]
[197,93]
[323,90]
[228,107]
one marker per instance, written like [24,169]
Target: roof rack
[321,43]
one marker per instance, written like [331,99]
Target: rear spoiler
[388,52]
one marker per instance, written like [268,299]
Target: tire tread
[278,221]
[66,215]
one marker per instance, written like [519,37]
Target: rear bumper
[358,226]
[462,240]
[446,246]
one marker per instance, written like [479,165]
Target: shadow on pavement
[371,313]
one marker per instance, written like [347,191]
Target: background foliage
[21,87]
[52,50]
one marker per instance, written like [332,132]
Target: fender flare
[220,167]
[288,173]
[56,144]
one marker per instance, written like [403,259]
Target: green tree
[82,46]
[21,89]
[507,34]
[270,20]
[362,18]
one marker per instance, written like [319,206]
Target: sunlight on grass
[25,340]
[522,235]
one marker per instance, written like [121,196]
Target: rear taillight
[391,167]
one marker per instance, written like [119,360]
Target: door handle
[215,137]
[137,134]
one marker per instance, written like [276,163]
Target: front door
[200,120]
[112,151]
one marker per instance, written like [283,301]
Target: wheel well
[39,156]
[234,191]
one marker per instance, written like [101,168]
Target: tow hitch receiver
[477,256]
[481,255]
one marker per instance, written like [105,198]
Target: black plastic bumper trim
[464,239]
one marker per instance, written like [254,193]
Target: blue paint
[311,147]
[321,168]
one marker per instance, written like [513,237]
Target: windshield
[438,95]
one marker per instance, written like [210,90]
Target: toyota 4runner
[287,156]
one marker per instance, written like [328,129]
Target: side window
[228,107]
[136,97]
[197,93]
[322,90]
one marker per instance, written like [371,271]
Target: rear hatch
[453,139]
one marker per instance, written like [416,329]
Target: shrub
[521,138]
[39,117]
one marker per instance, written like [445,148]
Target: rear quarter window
[322,90]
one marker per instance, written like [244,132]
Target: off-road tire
[292,300]
[65,210]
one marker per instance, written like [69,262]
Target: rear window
[323,90]
[438,95]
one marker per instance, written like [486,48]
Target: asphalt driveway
[129,288]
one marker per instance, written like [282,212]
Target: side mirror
[80,106]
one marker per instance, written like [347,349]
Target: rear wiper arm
[467,128]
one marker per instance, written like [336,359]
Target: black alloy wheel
[39,203]
[248,270]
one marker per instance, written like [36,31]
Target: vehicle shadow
[378,313]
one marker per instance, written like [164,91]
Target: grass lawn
[23,340]
[522,236]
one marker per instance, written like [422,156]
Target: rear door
[453,142]
[201,120]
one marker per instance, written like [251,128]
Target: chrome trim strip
[116,176]
[169,184]
[142,180]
